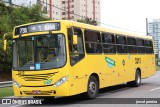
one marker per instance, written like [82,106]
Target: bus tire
[137,81]
[92,88]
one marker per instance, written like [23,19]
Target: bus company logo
[123,62]
[6,101]
[48,82]
[111,63]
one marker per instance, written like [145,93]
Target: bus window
[147,43]
[108,38]
[121,44]
[92,36]
[93,42]
[148,47]
[140,42]
[140,46]
[121,40]
[131,45]
[93,48]
[76,51]
[108,41]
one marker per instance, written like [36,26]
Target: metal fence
[5,84]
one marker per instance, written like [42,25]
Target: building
[154,30]
[71,9]
[8,2]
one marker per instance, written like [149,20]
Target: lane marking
[155,76]
[155,89]
[16,105]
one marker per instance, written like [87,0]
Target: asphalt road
[150,88]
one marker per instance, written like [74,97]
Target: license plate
[36,91]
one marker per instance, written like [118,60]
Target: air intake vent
[37,77]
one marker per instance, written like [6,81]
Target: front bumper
[62,90]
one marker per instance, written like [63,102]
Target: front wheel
[92,89]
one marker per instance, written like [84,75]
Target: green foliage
[5,56]
[88,21]
[4,9]
[4,25]
[6,92]
[11,16]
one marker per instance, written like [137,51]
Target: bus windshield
[39,52]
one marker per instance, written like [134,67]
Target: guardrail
[5,84]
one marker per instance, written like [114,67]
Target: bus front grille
[36,77]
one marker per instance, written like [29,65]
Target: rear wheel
[137,81]
[92,89]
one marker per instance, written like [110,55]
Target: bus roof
[87,26]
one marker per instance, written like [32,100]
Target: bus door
[76,53]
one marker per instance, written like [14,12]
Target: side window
[121,44]
[79,46]
[92,36]
[93,41]
[147,43]
[152,51]
[108,38]
[108,42]
[76,51]
[140,46]
[131,41]
[121,40]
[148,46]
[131,45]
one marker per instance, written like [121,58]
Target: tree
[11,16]
[88,21]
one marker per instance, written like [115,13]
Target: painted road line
[16,105]
[155,76]
[155,89]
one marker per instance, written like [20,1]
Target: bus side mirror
[75,39]
[5,44]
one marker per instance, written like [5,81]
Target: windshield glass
[39,52]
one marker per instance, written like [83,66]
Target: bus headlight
[60,81]
[16,84]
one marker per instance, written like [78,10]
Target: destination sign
[41,27]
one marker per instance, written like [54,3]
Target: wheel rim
[92,88]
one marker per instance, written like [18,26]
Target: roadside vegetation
[158,68]
[6,91]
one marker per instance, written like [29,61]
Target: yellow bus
[65,58]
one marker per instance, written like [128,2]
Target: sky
[129,14]
[24,2]
[123,14]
